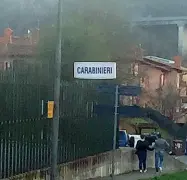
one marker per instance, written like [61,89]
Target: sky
[22,15]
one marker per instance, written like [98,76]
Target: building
[163,84]
[14,48]
[156,75]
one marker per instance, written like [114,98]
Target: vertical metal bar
[23,146]
[22,150]
[29,155]
[9,153]
[1,158]
[28,149]
[55,130]
[4,153]
[41,160]
[25,156]
[48,145]
[11,158]
[32,153]
[35,154]
[39,147]
[92,109]
[19,154]
[12,150]
[115,129]
[14,131]
[42,110]
[16,157]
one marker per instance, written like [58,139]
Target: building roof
[160,60]
[24,40]
[21,50]
[184,69]
[165,61]
[17,50]
[160,63]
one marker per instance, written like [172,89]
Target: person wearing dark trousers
[131,142]
[141,150]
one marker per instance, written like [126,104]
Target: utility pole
[57,82]
[115,129]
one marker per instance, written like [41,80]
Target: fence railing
[26,132]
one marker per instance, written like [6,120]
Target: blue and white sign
[95,70]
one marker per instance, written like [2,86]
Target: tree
[170,100]
[166,100]
[89,36]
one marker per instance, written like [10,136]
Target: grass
[141,120]
[174,176]
[137,120]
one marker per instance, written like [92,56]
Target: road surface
[133,176]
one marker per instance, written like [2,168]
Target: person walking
[160,146]
[141,150]
[131,142]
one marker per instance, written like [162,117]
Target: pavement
[136,175]
[182,159]
[133,176]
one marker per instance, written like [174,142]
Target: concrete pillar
[182,39]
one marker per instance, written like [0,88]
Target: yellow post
[50,109]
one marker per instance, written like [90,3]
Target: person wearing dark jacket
[131,142]
[141,150]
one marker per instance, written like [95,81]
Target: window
[162,80]
[134,69]
[178,80]
[130,100]
[142,82]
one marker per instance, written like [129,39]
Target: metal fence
[26,131]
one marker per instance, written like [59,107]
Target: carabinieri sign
[95,70]
[100,70]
